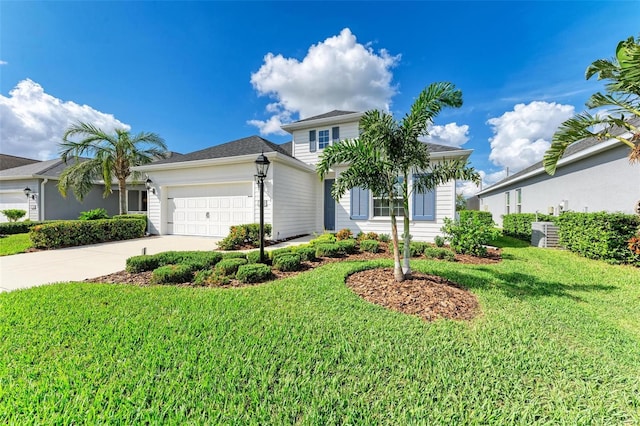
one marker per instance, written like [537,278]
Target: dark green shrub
[328,250]
[71,233]
[306,252]
[372,246]
[140,217]
[348,246]
[198,259]
[210,277]
[287,262]
[255,273]
[603,236]
[415,248]
[11,228]
[439,253]
[234,255]
[254,256]
[384,238]
[438,241]
[518,225]
[142,263]
[172,274]
[277,252]
[323,239]
[469,237]
[94,214]
[244,235]
[14,214]
[230,266]
[483,217]
[344,234]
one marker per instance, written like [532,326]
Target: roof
[50,168]
[434,147]
[245,146]
[334,113]
[10,161]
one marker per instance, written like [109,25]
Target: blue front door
[329,207]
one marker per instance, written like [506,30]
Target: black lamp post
[262,167]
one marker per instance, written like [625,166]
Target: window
[359,203]
[518,200]
[335,134]
[381,205]
[424,205]
[312,141]
[323,139]
[507,202]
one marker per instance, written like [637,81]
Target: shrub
[344,234]
[71,233]
[323,239]
[384,238]
[603,236]
[172,274]
[230,266]
[518,225]
[348,246]
[469,237]
[415,248]
[198,259]
[14,214]
[438,241]
[140,217]
[210,277]
[242,235]
[234,255]
[372,246]
[307,253]
[11,228]
[483,217]
[94,214]
[368,236]
[634,245]
[328,250]
[287,262]
[277,252]
[254,256]
[255,273]
[439,253]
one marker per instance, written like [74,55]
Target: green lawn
[14,244]
[558,342]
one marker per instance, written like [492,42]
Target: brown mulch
[427,296]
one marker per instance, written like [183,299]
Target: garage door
[13,200]
[208,210]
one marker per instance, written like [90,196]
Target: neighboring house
[11,161]
[205,192]
[591,176]
[45,202]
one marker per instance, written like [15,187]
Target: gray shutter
[359,203]
[335,134]
[312,141]
[424,205]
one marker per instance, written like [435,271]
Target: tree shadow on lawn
[522,286]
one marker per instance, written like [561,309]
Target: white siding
[295,201]
[301,140]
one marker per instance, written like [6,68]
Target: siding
[12,197]
[296,201]
[301,140]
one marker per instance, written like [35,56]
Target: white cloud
[469,189]
[338,73]
[4,63]
[33,121]
[450,134]
[522,136]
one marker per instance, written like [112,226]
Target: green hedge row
[518,225]
[10,228]
[600,235]
[483,217]
[71,233]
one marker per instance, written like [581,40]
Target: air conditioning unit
[544,234]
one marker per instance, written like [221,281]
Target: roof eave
[290,127]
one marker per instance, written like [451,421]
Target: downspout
[41,213]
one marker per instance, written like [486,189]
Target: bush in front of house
[439,253]
[348,246]
[234,255]
[344,234]
[415,248]
[12,228]
[94,214]
[470,236]
[367,236]
[439,241]
[603,236]
[483,217]
[328,250]
[372,246]
[244,235]
[287,262]
[14,214]
[384,238]
[172,274]
[272,254]
[306,252]
[198,259]
[255,273]
[229,267]
[518,225]
[70,233]
[323,239]
[210,277]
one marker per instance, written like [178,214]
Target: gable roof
[334,113]
[10,161]
[245,146]
[49,168]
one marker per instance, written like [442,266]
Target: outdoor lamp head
[27,191]
[262,165]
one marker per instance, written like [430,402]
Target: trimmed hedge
[518,225]
[199,259]
[234,255]
[306,252]
[483,217]
[210,277]
[230,266]
[323,239]
[439,253]
[349,245]
[172,274]
[72,233]
[287,262]
[372,246]
[272,254]
[255,273]
[328,250]
[241,235]
[603,236]
[11,228]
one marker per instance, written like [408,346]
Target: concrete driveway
[78,263]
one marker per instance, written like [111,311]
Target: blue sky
[204,73]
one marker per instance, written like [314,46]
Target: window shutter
[312,141]
[335,134]
[359,203]
[424,205]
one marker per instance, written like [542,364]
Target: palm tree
[622,99]
[387,150]
[111,156]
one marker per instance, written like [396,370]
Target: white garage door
[13,200]
[209,210]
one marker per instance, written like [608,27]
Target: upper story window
[518,200]
[323,139]
[507,202]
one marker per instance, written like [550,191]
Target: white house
[591,176]
[205,192]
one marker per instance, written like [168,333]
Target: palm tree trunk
[406,269]
[122,189]
[397,270]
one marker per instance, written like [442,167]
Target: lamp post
[262,167]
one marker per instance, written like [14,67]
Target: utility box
[544,234]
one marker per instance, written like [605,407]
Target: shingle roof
[49,168]
[334,113]
[434,147]
[245,146]
[10,161]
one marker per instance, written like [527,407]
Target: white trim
[337,119]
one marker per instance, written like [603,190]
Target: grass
[14,244]
[558,342]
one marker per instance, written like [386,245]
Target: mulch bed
[427,296]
